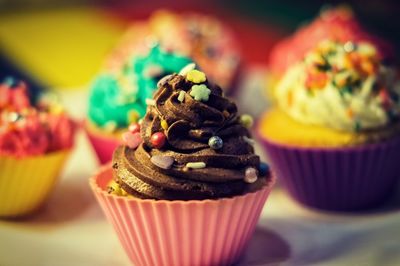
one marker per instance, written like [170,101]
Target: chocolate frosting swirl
[190,125]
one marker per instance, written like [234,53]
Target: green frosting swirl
[113,97]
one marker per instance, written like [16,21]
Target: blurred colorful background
[62,44]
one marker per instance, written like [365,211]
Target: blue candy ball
[264,168]
[215,142]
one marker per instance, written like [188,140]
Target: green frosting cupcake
[116,100]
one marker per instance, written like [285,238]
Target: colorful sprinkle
[246,120]
[185,70]
[164,162]
[248,140]
[133,116]
[349,47]
[215,142]
[264,169]
[157,140]
[163,81]
[131,140]
[250,175]
[196,165]
[13,117]
[150,102]
[384,97]
[196,76]
[316,80]
[164,124]
[134,128]
[181,96]
[350,113]
[200,92]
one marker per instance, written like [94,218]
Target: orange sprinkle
[350,113]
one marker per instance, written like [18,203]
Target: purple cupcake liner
[337,179]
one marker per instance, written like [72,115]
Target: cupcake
[337,24]
[35,140]
[207,40]
[186,187]
[333,140]
[118,99]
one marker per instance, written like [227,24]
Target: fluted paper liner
[338,179]
[196,232]
[25,183]
[103,145]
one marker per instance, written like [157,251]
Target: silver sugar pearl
[250,175]
[215,142]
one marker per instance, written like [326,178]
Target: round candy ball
[157,140]
[215,142]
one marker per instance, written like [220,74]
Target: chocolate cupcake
[189,164]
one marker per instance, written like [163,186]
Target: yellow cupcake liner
[25,183]
[278,127]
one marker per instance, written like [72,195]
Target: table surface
[72,230]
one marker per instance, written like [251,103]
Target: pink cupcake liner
[207,232]
[338,179]
[103,146]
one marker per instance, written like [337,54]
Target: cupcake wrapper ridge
[208,232]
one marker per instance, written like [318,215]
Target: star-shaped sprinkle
[200,92]
[196,76]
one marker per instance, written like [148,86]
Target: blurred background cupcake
[333,23]
[118,99]
[205,39]
[334,136]
[35,140]
[189,164]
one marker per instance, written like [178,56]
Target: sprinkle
[133,116]
[384,97]
[140,121]
[350,113]
[185,70]
[196,165]
[157,140]
[250,175]
[153,71]
[196,76]
[181,96]
[13,117]
[134,128]
[200,92]
[163,80]
[215,142]
[246,120]
[249,140]
[264,168]
[226,113]
[164,124]
[131,140]
[110,126]
[164,162]
[349,47]
[150,101]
